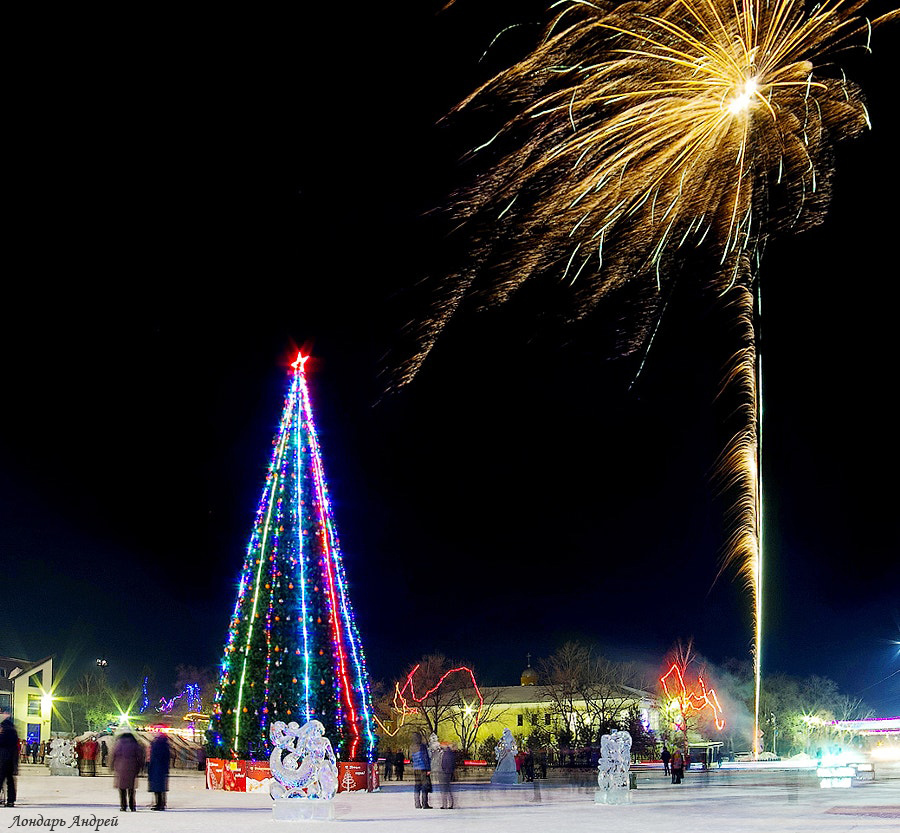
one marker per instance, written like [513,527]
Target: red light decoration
[402,708]
[689,701]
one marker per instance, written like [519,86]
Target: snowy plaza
[736,799]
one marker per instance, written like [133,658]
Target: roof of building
[7,666]
[530,695]
[13,667]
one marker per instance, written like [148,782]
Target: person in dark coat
[388,765]
[445,773]
[79,756]
[666,757]
[399,764]
[158,770]
[9,760]
[104,753]
[421,771]
[126,761]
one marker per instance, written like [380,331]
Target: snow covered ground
[719,802]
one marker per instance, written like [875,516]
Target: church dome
[529,676]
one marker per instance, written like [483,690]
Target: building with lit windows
[525,708]
[25,689]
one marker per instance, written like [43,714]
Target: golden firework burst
[641,132]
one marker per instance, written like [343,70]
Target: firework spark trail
[739,472]
[642,132]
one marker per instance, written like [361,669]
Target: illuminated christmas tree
[293,651]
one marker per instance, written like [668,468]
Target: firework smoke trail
[640,134]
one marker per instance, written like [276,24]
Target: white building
[25,689]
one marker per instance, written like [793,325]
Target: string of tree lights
[683,702]
[401,708]
[293,651]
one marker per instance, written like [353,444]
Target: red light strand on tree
[403,709]
[694,700]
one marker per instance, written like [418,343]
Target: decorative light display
[190,693]
[686,701]
[401,708]
[293,652]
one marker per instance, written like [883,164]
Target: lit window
[519,720]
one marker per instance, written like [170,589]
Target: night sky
[193,200]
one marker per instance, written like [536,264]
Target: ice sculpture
[62,757]
[506,751]
[434,752]
[612,769]
[302,762]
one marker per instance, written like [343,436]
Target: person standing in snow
[9,760]
[126,761]
[421,771]
[444,771]
[158,770]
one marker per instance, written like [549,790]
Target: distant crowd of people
[127,759]
[32,751]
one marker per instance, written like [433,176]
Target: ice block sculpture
[62,757]
[302,762]
[612,769]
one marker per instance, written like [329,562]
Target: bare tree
[681,657]
[434,685]
[608,695]
[563,673]
[687,696]
[851,708]
[590,694]
[432,692]
[470,714]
